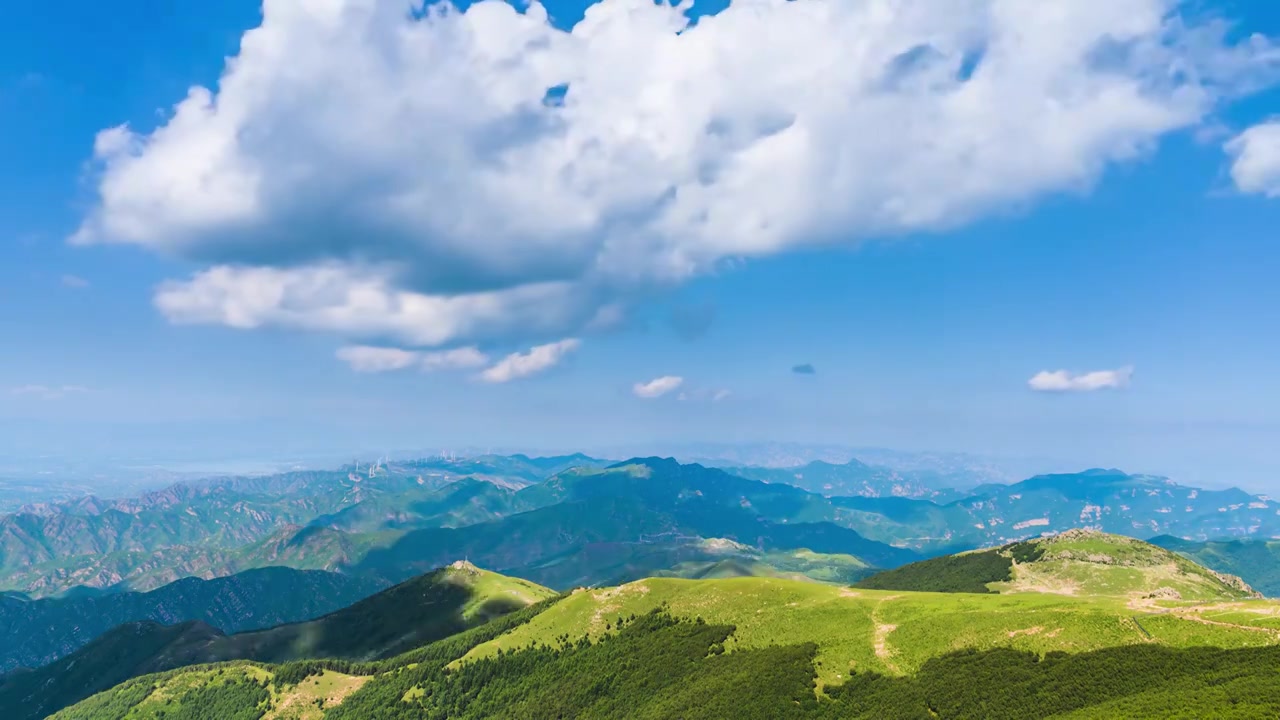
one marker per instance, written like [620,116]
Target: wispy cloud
[366,359]
[463,358]
[538,359]
[369,359]
[1066,381]
[48,392]
[74,281]
[657,387]
[805,369]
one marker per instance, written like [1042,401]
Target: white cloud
[657,387]
[1065,381]
[1255,167]
[368,359]
[462,358]
[719,395]
[48,392]
[74,281]
[361,172]
[361,303]
[538,359]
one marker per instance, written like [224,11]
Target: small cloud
[366,359]
[1255,154]
[46,392]
[538,359]
[1065,381]
[657,387]
[805,369]
[463,358]
[74,281]
[720,395]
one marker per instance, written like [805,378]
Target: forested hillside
[41,631]
[414,613]
[659,666]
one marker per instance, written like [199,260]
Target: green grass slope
[722,558]
[408,615]
[1077,562]
[766,648]
[308,689]
[896,632]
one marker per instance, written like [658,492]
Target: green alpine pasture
[1072,626]
[893,632]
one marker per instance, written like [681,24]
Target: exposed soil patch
[880,637]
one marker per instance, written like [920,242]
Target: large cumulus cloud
[439,177]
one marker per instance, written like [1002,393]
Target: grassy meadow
[896,632]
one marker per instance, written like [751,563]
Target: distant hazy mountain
[205,527]
[567,520]
[637,517]
[41,631]
[583,525]
[1117,502]
[856,478]
[958,469]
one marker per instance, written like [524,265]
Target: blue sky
[923,333]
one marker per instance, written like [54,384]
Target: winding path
[880,637]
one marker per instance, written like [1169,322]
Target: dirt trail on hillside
[1195,614]
[880,637]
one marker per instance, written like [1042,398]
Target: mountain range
[578,520]
[1078,625]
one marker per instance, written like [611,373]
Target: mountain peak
[1075,562]
[653,462]
[464,566]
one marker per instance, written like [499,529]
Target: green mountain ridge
[1084,562]
[414,613]
[42,631]
[770,647]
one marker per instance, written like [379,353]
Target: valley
[337,577]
